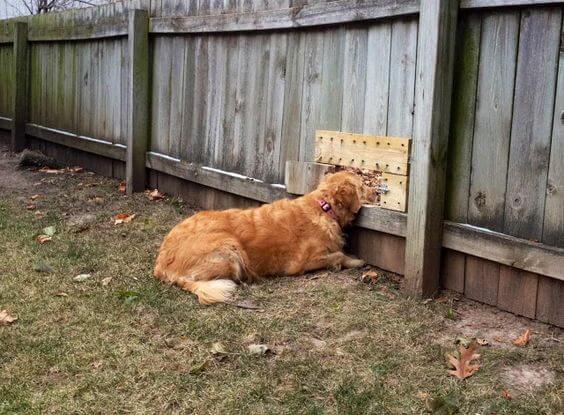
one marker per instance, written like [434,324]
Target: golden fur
[207,252]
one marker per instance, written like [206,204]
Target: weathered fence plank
[20,68]
[463,117]
[531,129]
[553,228]
[402,78]
[315,14]
[517,291]
[6,81]
[354,80]
[492,126]
[435,58]
[137,139]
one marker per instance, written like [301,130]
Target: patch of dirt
[12,179]
[498,327]
[526,378]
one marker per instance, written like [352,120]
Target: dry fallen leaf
[61,294]
[35,197]
[106,281]
[370,277]
[462,364]
[482,342]
[123,218]
[219,351]
[122,187]
[523,339]
[505,394]
[30,206]
[6,318]
[76,169]
[39,215]
[155,195]
[43,238]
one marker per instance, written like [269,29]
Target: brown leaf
[122,187]
[30,206]
[462,364]
[155,195]
[482,342]
[6,319]
[106,281]
[43,238]
[505,394]
[523,339]
[76,169]
[370,277]
[61,294]
[39,215]
[123,218]
[35,197]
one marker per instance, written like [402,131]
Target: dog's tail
[209,292]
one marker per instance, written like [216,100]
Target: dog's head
[346,193]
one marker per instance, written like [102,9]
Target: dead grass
[139,346]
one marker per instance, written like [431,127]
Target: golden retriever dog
[209,252]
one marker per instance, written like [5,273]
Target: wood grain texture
[462,117]
[354,80]
[402,78]
[453,265]
[313,14]
[20,71]
[492,127]
[379,249]
[482,280]
[378,47]
[474,4]
[550,307]
[435,58]
[517,291]
[137,139]
[531,130]
[553,227]
[304,177]
[6,81]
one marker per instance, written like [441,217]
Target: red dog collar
[326,207]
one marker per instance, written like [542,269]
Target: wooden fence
[222,93]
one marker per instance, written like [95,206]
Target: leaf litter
[462,362]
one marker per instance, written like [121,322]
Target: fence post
[138,117]
[20,69]
[434,73]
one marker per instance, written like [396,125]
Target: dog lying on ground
[209,252]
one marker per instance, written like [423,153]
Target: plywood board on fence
[372,152]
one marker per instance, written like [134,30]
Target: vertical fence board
[492,128]
[332,79]
[550,307]
[453,270]
[377,79]
[311,92]
[354,80]
[532,122]
[482,280]
[6,80]
[517,291]
[402,77]
[553,228]
[462,117]
[291,123]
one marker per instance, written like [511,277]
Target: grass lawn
[131,344]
